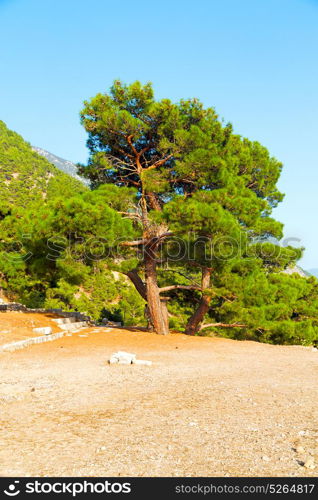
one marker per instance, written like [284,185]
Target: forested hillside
[25,176]
[38,203]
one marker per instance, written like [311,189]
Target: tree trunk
[194,323]
[157,308]
[164,311]
[137,281]
[153,201]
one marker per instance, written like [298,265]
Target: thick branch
[223,325]
[134,150]
[130,215]
[134,243]
[180,273]
[137,281]
[179,287]
[159,163]
[150,242]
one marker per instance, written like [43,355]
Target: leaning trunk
[138,283]
[194,323]
[157,308]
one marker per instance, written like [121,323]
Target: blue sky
[255,61]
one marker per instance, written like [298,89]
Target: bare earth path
[207,407]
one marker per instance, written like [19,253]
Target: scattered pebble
[309,463]
[300,449]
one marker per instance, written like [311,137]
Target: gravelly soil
[206,407]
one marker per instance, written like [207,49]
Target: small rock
[309,463]
[300,449]
[301,433]
[266,458]
[123,354]
[142,362]
[124,361]
[124,358]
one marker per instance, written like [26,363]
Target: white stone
[142,362]
[45,330]
[124,361]
[112,360]
[73,326]
[126,355]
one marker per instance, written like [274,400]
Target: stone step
[21,344]
[43,330]
[63,321]
[73,326]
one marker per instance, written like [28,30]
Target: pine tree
[182,160]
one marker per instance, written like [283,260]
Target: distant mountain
[25,176]
[297,270]
[64,165]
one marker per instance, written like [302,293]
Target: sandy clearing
[15,325]
[207,407]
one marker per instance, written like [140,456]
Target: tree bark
[164,311]
[194,323]
[157,309]
[153,201]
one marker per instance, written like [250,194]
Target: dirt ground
[15,326]
[206,407]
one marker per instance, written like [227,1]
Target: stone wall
[15,306]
